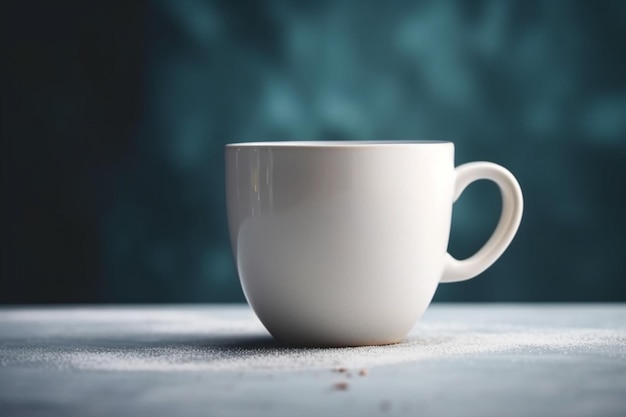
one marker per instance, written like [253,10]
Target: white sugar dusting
[137,341]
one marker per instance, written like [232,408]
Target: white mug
[344,243]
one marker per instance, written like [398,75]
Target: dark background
[114,117]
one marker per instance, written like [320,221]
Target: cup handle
[512,207]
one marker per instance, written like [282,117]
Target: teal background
[114,117]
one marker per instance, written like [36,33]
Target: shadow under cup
[342,243]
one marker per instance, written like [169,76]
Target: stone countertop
[217,360]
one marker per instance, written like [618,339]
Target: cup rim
[336,144]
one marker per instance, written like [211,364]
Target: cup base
[304,343]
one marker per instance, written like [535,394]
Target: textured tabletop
[459,360]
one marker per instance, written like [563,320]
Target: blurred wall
[114,118]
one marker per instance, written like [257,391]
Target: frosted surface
[569,360]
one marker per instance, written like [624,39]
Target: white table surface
[217,360]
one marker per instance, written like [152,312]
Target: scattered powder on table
[191,342]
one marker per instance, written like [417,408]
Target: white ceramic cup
[344,243]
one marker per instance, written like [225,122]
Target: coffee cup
[345,243]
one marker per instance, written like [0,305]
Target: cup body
[339,243]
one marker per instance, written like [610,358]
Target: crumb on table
[342,386]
